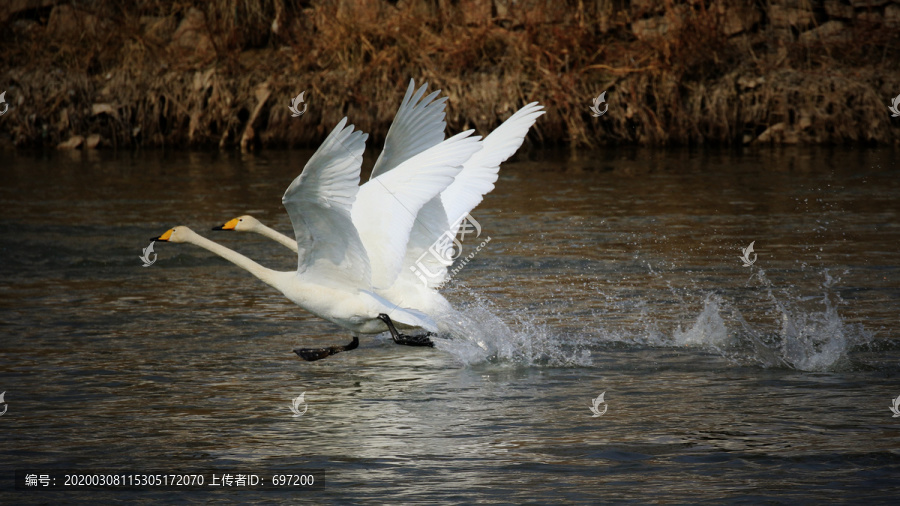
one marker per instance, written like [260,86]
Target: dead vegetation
[223,72]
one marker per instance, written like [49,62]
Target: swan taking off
[333,279]
[356,244]
[418,126]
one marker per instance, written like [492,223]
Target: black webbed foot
[313,354]
[422,340]
[404,339]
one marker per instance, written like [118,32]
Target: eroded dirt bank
[222,73]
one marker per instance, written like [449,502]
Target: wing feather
[319,202]
[386,207]
[429,254]
[418,125]
[480,172]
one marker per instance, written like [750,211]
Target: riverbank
[223,73]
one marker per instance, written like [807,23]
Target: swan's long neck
[284,240]
[268,276]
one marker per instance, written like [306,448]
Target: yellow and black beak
[164,237]
[228,226]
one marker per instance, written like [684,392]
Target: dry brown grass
[142,74]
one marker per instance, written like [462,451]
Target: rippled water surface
[608,272]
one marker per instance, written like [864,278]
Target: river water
[615,272]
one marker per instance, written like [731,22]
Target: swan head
[245,223]
[177,234]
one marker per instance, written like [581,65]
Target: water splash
[808,333]
[805,333]
[477,335]
[758,324]
[708,329]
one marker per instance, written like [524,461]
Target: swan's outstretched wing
[480,172]
[418,125]
[319,202]
[386,207]
[431,241]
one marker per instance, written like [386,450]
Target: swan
[333,279]
[419,125]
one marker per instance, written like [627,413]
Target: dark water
[616,272]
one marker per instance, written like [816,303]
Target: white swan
[333,276]
[419,126]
